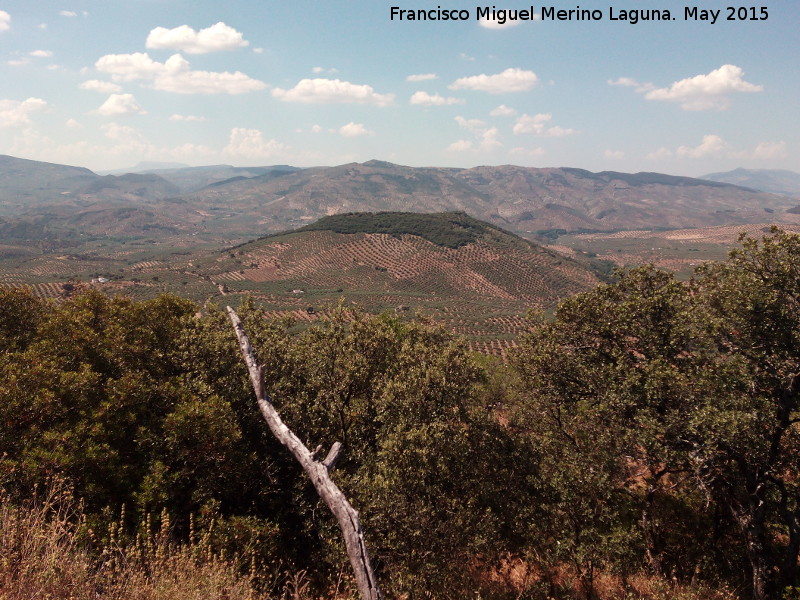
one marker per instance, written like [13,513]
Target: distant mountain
[24,183]
[146,166]
[29,185]
[765,180]
[517,198]
[191,179]
[237,203]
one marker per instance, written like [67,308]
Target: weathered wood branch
[318,471]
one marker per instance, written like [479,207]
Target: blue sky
[108,83]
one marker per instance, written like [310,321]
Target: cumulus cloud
[41,53]
[503,111]
[67,13]
[13,113]
[660,154]
[250,143]
[175,75]
[105,87]
[422,77]
[486,138]
[191,118]
[630,82]
[354,130]
[510,80]
[537,125]
[123,133]
[120,105]
[73,124]
[770,150]
[712,146]
[426,99]
[332,91]
[5,21]
[701,92]
[218,37]
[460,146]
[614,154]
[474,125]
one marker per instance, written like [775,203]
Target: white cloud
[537,125]
[770,150]
[250,143]
[354,130]
[175,75]
[191,118]
[614,154]
[474,125]
[510,80]
[67,13]
[95,85]
[122,133]
[13,113]
[503,111]
[5,21]
[218,37]
[258,50]
[629,82]
[119,105]
[316,129]
[41,53]
[486,137]
[73,124]
[426,99]
[460,146]
[706,92]
[660,154]
[466,57]
[489,140]
[712,146]
[422,77]
[332,91]
[18,62]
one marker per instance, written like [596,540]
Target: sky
[106,84]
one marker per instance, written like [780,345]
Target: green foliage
[684,401]
[450,229]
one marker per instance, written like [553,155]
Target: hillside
[775,181]
[477,278]
[517,198]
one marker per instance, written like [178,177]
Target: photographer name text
[503,16]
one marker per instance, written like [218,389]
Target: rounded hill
[475,277]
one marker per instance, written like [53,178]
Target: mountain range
[238,203]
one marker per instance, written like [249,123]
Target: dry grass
[46,553]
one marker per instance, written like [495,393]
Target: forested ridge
[641,443]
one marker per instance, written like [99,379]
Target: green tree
[685,396]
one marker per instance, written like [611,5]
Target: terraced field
[679,250]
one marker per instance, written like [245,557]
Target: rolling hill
[476,278]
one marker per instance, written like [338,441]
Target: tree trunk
[318,471]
